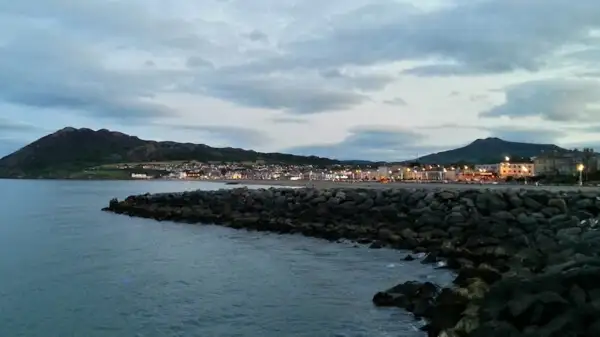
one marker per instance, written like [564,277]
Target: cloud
[289,120]
[505,132]
[294,92]
[257,36]
[396,101]
[443,70]
[198,62]
[377,143]
[355,80]
[527,135]
[478,98]
[50,70]
[11,126]
[466,38]
[280,93]
[236,136]
[8,146]
[561,100]
[593,128]
[108,21]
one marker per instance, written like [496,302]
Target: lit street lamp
[524,170]
[507,158]
[580,168]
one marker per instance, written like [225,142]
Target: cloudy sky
[350,79]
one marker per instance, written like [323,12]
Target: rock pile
[527,260]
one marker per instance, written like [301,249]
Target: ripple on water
[75,271]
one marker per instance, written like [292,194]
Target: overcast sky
[350,79]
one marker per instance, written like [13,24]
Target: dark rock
[488,274]
[376,245]
[409,258]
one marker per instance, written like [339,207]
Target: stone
[559,204]
[409,258]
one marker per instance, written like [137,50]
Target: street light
[507,158]
[525,170]
[580,168]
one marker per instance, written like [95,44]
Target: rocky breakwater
[527,261]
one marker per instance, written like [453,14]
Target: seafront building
[509,169]
[566,163]
[516,170]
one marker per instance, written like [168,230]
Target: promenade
[326,184]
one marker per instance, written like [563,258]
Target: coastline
[328,184]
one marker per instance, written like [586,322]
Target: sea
[67,269]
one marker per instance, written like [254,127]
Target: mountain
[71,150]
[489,150]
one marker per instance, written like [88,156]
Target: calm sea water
[69,270]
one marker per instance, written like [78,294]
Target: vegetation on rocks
[526,260]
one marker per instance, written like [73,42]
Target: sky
[347,79]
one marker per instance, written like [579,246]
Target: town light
[524,170]
[506,158]
[580,167]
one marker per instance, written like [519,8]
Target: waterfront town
[571,166]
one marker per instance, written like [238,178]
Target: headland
[527,260]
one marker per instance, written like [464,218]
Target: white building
[495,168]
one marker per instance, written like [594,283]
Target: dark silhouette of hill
[71,149]
[489,150]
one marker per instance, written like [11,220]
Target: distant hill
[489,150]
[70,150]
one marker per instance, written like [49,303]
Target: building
[192,175]
[494,168]
[383,172]
[424,174]
[516,170]
[139,176]
[558,163]
[451,175]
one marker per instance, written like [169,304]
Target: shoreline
[327,184]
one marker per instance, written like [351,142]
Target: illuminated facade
[508,169]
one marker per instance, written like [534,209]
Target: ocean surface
[69,270]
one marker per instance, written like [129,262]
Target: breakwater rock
[527,261]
